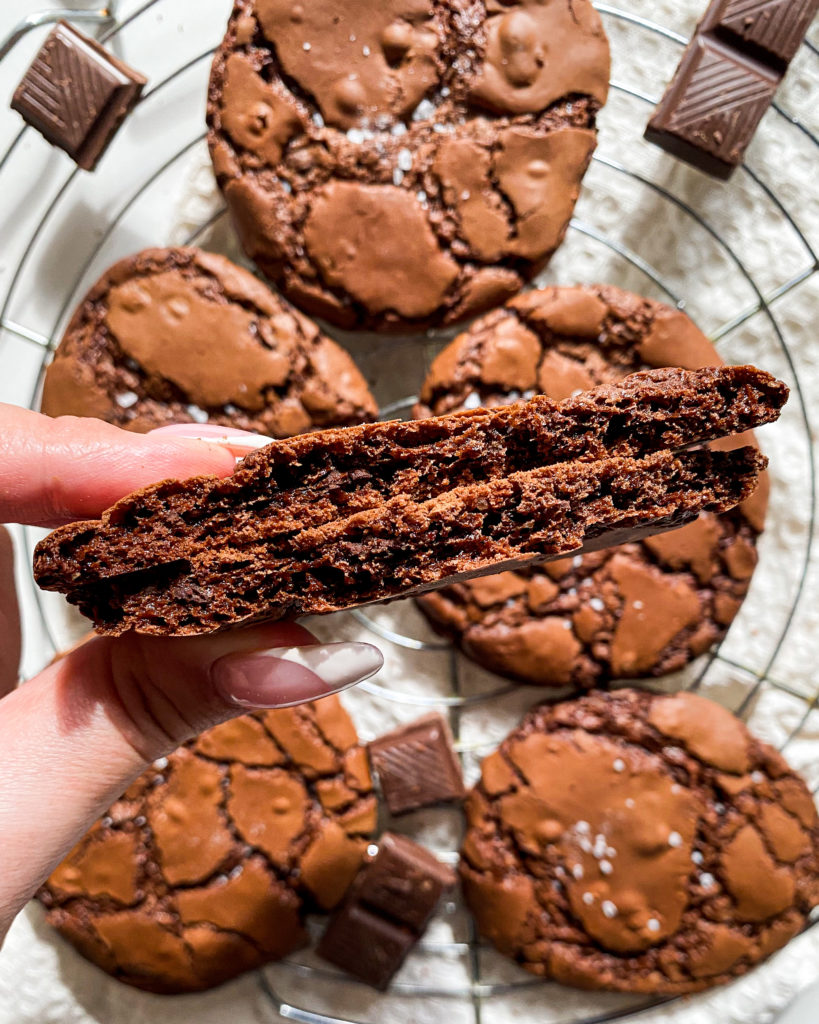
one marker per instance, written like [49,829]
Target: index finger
[55,471]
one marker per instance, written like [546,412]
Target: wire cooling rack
[639,259]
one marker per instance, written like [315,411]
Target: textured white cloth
[42,980]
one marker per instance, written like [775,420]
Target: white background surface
[56,236]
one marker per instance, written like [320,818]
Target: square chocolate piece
[405,881]
[417,765]
[76,94]
[772,32]
[366,945]
[712,107]
[387,908]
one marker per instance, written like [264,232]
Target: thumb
[91,722]
[165,690]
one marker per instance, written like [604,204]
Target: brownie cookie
[182,335]
[408,163]
[640,610]
[345,517]
[639,842]
[207,865]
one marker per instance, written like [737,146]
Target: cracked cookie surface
[639,842]
[407,164]
[643,609]
[185,336]
[207,865]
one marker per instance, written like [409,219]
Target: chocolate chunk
[417,765]
[769,30]
[712,107]
[404,881]
[76,94]
[387,909]
[726,80]
[368,946]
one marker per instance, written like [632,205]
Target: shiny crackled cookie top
[365,61]
[181,335]
[410,162]
[642,609]
[207,865]
[639,842]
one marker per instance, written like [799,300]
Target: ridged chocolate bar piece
[712,107]
[417,765]
[726,80]
[76,94]
[770,30]
[386,911]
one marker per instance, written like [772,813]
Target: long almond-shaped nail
[284,676]
[238,442]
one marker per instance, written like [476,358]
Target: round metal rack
[629,259]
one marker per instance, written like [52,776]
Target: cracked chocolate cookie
[182,335]
[409,163]
[207,865]
[639,842]
[340,518]
[643,609]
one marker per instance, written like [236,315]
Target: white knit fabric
[42,980]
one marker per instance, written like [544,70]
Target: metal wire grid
[455,701]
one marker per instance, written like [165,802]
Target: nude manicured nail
[238,442]
[285,676]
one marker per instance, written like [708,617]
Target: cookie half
[345,517]
[635,611]
[207,865]
[639,842]
[408,163]
[181,335]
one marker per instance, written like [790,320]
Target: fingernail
[238,442]
[285,676]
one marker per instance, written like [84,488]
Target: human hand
[74,737]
